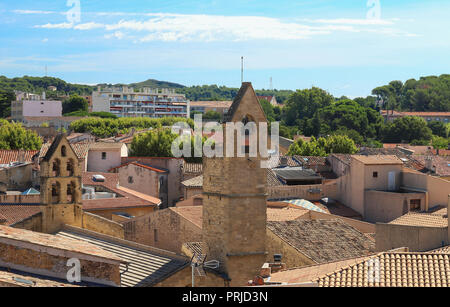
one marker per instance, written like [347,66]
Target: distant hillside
[152,83]
[38,84]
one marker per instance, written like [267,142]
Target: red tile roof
[420,114]
[14,213]
[10,156]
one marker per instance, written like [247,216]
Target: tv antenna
[199,263]
[242,69]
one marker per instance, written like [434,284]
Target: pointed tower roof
[238,100]
[54,146]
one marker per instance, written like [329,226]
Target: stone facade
[234,202]
[61,187]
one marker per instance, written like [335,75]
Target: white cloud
[361,22]
[208,28]
[30,12]
[64,25]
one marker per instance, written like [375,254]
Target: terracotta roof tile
[421,219]
[10,156]
[393,270]
[324,240]
[14,213]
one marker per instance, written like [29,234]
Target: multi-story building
[427,116]
[127,102]
[32,105]
[203,107]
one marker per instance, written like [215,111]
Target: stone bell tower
[234,199]
[60,187]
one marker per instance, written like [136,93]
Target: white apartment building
[32,105]
[148,102]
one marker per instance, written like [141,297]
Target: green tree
[438,128]
[349,118]
[407,129]
[268,110]
[155,143]
[303,104]
[6,97]
[323,146]
[75,103]
[440,143]
[13,136]
[212,116]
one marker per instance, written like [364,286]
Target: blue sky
[347,47]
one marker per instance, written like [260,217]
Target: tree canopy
[407,129]
[75,104]
[13,136]
[323,146]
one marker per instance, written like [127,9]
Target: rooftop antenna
[198,263]
[242,69]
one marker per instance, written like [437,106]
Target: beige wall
[417,239]
[17,178]
[190,192]
[385,207]
[172,230]
[145,181]
[328,189]
[97,164]
[98,224]
[175,176]
[438,189]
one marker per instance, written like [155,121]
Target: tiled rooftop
[378,159]
[13,213]
[196,182]
[442,250]
[10,156]
[46,240]
[395,270]
[421,219]
[324,240]
[146,265]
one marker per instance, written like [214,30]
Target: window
[414,205]
[155,234]
[63,151]
[103,155]
[130,179]
[375,174]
